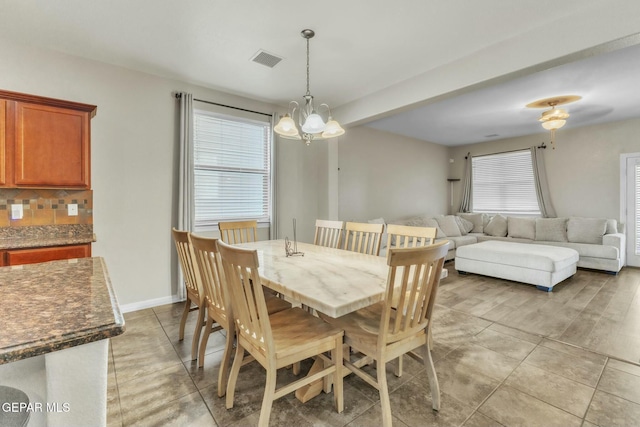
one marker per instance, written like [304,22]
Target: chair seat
[296,332]
[361,327]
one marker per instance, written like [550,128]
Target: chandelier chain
[308,92]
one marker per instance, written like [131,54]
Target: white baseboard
[135,306]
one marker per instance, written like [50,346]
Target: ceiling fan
[554,118]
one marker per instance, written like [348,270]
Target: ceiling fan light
[313,124]
[553,124]
[554,114]
[332,129]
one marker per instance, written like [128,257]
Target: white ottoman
[540,265]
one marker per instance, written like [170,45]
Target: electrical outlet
[72,209]
[16,211]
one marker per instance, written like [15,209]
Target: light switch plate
[72,209]
[17,211]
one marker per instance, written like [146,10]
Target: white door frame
[623,206]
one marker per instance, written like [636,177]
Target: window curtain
[465,202]
[541,184]
[186,203]
[273,226]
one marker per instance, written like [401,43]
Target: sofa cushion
[551,229]
[456,242]
[449,225]
[586,230]
[523,228]
[476,218]
[464,225]
[588,249]
[497,226]
[423,221]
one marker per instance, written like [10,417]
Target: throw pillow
[551,229]
[612,226]
[449,225]
[586,230]
[464,225]
[523,228]
[476,218]
[431,222]
[383,239]
[497,226]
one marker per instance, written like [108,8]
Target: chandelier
[311,125]
[554,118]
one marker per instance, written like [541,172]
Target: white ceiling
[362,49]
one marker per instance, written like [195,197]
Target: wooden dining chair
[362,237]
[328,233]
[233,232]
[405,236]
[399,324]
[278,340]
[218,304]
[192,281]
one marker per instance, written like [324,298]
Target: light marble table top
[332,281]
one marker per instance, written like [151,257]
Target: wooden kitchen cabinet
[46,142]
[35,255]
[3,145]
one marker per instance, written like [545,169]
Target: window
[504,183]
[232,168]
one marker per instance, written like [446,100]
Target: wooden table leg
[308,392]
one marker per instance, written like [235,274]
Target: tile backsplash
[45,207]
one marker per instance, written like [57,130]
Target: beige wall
[134,161]
[390,176]
[583,171]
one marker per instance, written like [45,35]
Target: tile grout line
[187,371]
[115,374]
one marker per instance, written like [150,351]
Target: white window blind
[232,165]
[504,183]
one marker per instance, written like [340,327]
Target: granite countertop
[55,305]
[45,235]
[36,242]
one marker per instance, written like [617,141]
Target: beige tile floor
[506,355]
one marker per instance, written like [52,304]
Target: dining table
[332,281]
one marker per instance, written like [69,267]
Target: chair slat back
[405,236]
[328,233]
[362,237]
[234,232]
[247,298]
[188,264]
[414,276]
[209,263]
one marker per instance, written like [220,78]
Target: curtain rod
[179,95]
[543,146]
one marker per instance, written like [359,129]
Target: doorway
[630,204]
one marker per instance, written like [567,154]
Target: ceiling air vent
[266,59]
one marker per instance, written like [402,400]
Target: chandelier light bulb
[332,129]
[313,124]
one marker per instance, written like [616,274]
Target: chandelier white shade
[310,124]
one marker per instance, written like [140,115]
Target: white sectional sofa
[600,243]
